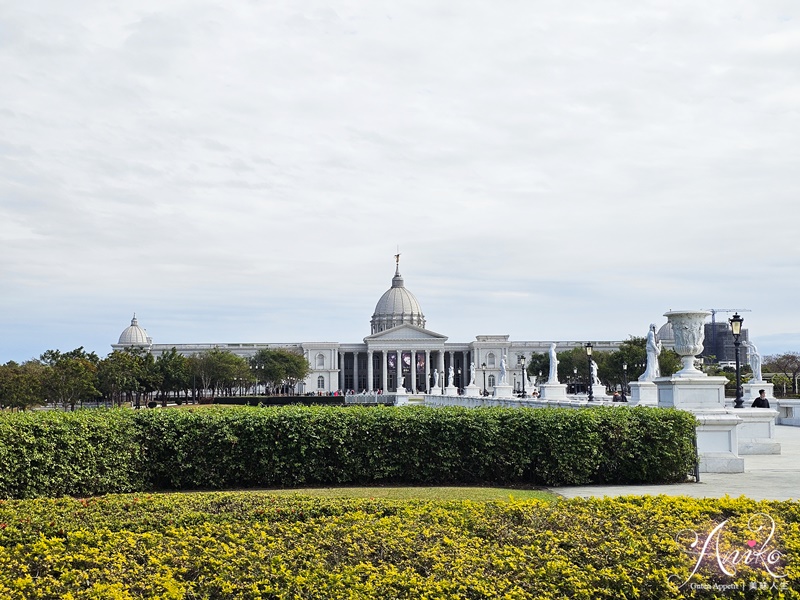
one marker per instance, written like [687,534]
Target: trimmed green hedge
[93,452]
[256,546]
[87,452]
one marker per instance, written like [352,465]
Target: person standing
[761,401]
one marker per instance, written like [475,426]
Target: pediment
[406,332]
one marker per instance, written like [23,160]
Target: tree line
[68,379]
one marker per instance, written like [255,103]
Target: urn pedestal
[692,390]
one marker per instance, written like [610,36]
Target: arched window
[320,383]
[491,380]
[320,361]
[490,360]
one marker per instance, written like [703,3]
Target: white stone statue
[450,376]
[503,371]
[595,378]
[435,378]
[471,374]
[653,348]
[754,358]
[553,365]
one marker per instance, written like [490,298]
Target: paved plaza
[765,477]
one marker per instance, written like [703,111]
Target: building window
[491,381]
[320,361]
[320,383]
[490,360]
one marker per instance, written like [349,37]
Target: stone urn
[687,326]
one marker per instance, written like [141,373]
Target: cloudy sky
[244,171]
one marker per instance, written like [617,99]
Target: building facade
[399,354]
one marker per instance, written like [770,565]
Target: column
[355,372]
[441,368]
[413,371]
[341,370]
[399,373]
[370,385]
[385,374]
[427,370]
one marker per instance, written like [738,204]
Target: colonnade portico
[391,369]
[402,357]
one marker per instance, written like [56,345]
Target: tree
[538,363]
[131,373]
[70,377]
[780,383]
[277,368]
[787,364]
[219,370]
[21,385]
[633,353]
[573,365]
[173,369]
[118,376]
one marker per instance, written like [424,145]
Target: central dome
[396,307]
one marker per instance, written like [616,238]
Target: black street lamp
[624,380]
[485,391]
[589,354]
[736,328]
[521,360]
[574,380]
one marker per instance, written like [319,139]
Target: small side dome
[666,333]
[134,335]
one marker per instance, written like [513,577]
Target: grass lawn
[478,494]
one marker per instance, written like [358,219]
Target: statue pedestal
[757,430]
[750,391]
[503,391]
[643,393]
[694,394]
[472,390]
[718,443]
[788,412]
[451,390]
[553,391]
[717,431]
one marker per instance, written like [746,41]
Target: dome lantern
[397,306]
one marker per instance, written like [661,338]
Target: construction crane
[714,312]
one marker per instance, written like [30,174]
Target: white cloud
[548,171]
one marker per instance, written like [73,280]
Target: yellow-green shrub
[251,545]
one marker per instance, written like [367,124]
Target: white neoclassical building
[400,352]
